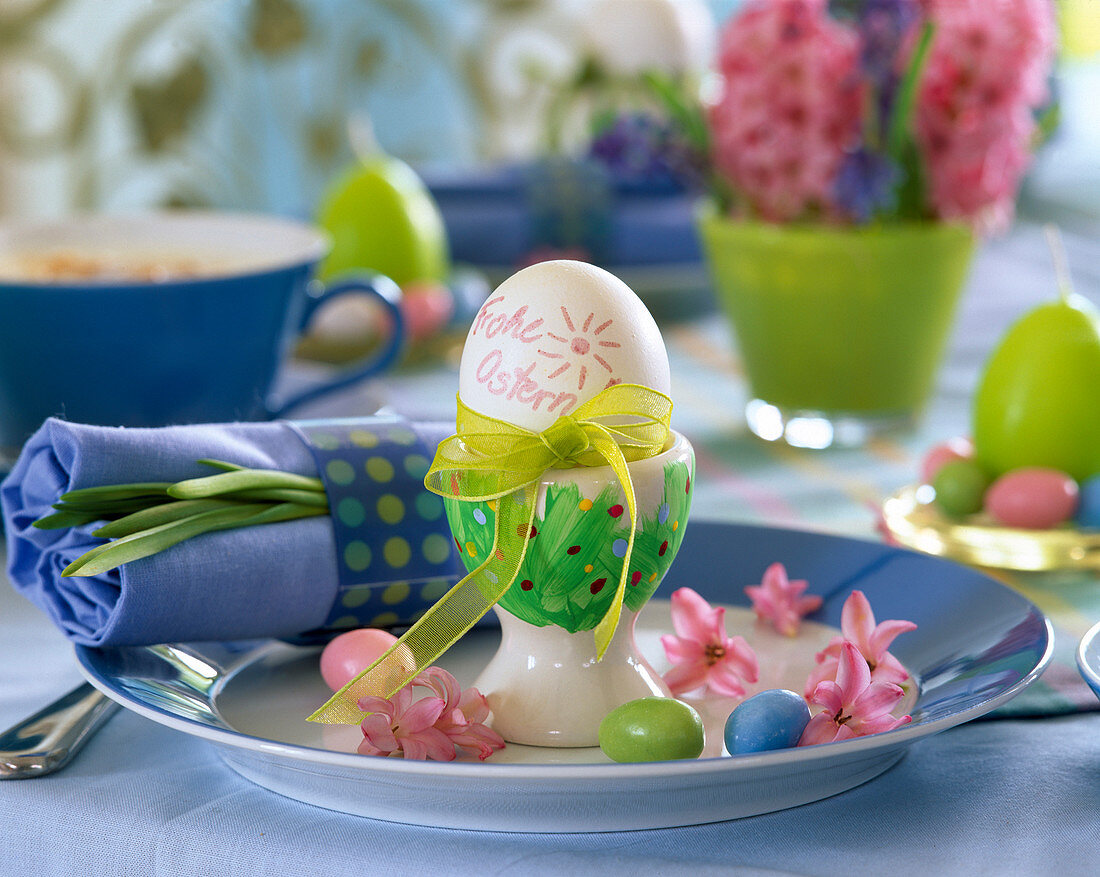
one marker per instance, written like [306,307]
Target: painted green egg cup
[544,685]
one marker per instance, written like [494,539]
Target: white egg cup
[544,685]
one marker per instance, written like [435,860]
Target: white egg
[553,336]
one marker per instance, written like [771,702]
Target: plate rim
[606,772]
[1090,642]
[513,771]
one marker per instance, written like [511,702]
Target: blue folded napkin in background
[274,580]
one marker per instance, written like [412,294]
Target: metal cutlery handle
[46,741]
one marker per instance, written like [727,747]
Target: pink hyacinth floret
[701,653]
[795,107]
[871,640]
[880,525]
[789,107]
[854,705]
[438,727]
[780,601]
[985,75]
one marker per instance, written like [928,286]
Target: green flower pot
[840,330]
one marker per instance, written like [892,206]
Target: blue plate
[977,645]
[1088,658]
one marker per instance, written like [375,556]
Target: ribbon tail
[447,621]
[609,448]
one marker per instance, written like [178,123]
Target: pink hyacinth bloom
[400,725]
[985,75]
[788,108]
[437,727]
[701,652]
[779,600]
[854,705]
[858,627]
[463,719]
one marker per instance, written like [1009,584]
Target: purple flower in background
[883,25]
[638,146]
[629,145]
[866,184]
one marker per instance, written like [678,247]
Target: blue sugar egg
[773,719]
[1088,507]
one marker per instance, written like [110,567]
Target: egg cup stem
[545,687]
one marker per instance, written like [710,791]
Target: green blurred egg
[651,729]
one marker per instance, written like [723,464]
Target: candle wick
[1061,263]
[361,136]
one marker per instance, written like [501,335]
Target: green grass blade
[243,479]
[154,540]
[284,511]
[282,494]
[220,464]
[113,508]
[66,518]
[134,507]
[146,543]
[112,492]
[148,518]
[273,514]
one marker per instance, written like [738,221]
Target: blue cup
[163,318]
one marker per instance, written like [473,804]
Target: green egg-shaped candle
[382,218]
[1037,402]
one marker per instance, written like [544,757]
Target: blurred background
[245,104]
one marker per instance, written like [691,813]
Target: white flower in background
[526,63]
[629,38]
[518,61]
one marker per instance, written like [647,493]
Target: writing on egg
[574,351]
[495,324]
[519,385]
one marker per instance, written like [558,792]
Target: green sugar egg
[651,729]
[960,487]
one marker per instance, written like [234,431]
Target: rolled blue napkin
[381,557]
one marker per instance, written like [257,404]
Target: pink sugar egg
[350,653]
[1032,497]
[958,448]
[426,307]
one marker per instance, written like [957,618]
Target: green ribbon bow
[492,460]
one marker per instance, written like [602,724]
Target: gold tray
[913,521]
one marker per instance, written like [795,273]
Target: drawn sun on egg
[581,347]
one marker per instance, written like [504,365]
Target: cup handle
[388,294]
